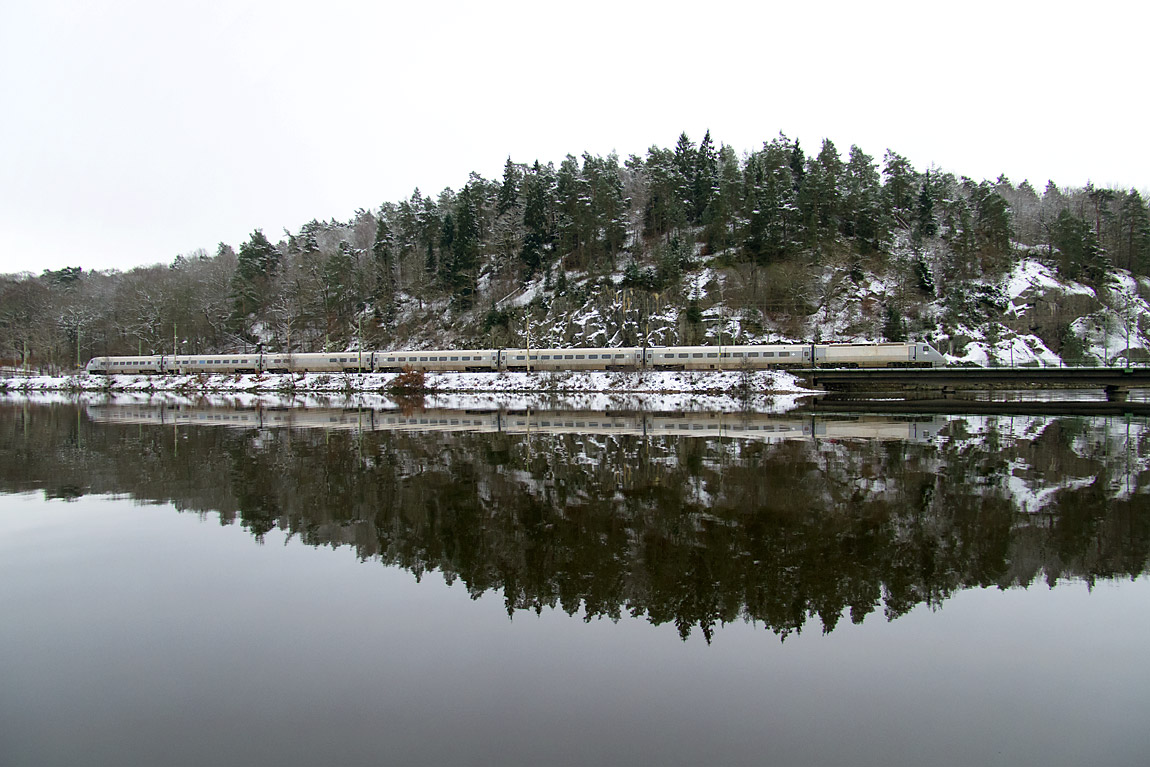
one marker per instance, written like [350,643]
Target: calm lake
[191,585]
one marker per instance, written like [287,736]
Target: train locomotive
[726,357]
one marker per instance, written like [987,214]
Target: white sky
[132,131]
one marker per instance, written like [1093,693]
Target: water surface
[830,591]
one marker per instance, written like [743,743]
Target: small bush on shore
[408,382]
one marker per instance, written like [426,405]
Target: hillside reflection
[605,514]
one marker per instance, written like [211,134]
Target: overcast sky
[131,132]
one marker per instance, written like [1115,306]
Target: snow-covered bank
[769,391]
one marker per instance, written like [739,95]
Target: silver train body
[759,357]
[751,426]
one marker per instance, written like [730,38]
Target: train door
[912,353]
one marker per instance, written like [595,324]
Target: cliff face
[1023,315]
[683,246]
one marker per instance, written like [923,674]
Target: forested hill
[678,246]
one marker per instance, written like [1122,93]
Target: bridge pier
[1115,393]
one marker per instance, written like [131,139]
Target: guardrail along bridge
[1115,381]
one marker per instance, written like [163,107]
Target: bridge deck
[1115,381]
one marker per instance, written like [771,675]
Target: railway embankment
[665,389]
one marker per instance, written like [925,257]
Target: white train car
[757,357]
[879,355]
[215,363]
[436,360]
[601,358]
[126,365]
[727,357]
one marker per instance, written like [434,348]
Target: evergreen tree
[341,290]
[771,212]
[898,189]
[704,181]
[863,217]
[666,208]
[686,160]
[383,261]
[537,235]
[992,229]
[720,217]
[893,327]
[256,266]
[575,221]
[1135,233]
[466,244]
[509,191]
[798,165]
[446,265]
[607,229]
[925,224]
[1078,255]
[820,197]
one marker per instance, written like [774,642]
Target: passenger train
[760,357]
[750,426]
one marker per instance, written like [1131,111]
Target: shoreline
[763,391]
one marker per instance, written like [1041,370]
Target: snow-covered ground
[767,391]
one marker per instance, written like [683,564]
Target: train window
[684,356]
[784,354]
[579,356]
[568,356]
[592,356]
[711,355]
[768,354]
[519,357]
[725,354]
[620,356]
[697,355]
[454,359]
[534,356]
[546,356]
[467,359]
[333,359]
[423,359]
[737,354]
[752,354]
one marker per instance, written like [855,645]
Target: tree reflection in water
[695,531]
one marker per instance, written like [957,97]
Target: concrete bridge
[1115,381]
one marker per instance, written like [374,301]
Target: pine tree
[704,180]
[687,164]
[992,230]
[863,217]
[384,262]
[666,208]
[1135,233]
[509,191]
[893,327]
[724,206]
[1078,256]
[537,235]
[925,224]
[256,266]
[898,189]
